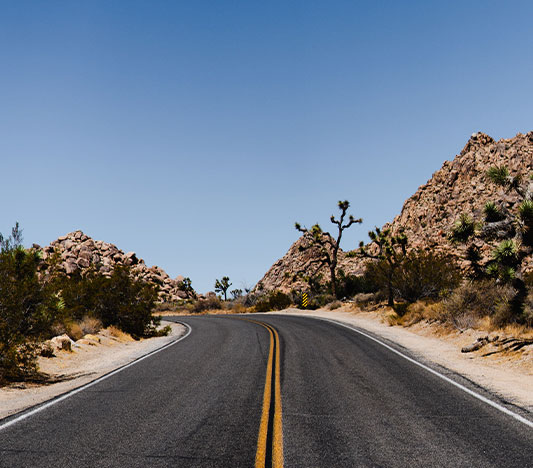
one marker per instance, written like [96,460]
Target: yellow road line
[260,455]
[277,440]
[266,416]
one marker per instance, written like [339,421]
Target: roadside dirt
[88,360]
[508,375]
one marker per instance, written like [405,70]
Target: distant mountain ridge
[459,186]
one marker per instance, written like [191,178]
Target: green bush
[210,303]
[350,285]
[424,275]
[120,300]
[276,300]
[28,309]
[127,303]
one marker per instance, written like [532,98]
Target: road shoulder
[85,363]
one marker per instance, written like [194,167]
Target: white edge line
[94,382]
[499,407]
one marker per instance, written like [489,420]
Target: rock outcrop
[77,252]
[284,274]
[460,186]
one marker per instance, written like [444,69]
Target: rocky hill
[77,252]
[459,186]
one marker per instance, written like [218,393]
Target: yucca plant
[499,175]
[526,211]
[505,253]
[463,229]
[492,212]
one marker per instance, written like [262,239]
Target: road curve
[345,401]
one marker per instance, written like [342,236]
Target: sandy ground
[509,375]
[89,360]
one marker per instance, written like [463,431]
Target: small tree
[327,244]
[127,302]
[222,286]
[186,286]
[28,309]
[236,293]
[389,254]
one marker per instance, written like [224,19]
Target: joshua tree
[236,293]
[389,254]
[222,286]
[327,244]
[186,286]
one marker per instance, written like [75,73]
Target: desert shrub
[375,274]
[28,309]
[401,308]
[350,285]
[128,303]
[120,300]
[90,325]
[116,332]
[422,310]
[365,299]
[321,300]
[238,308]
[334,305]
[422,275]
[476,299]
[528,309]
[78,293]
[74,331]
[276,300]
[209,303]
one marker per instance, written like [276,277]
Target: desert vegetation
[491,283]
[34,306]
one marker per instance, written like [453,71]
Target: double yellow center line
[270,441]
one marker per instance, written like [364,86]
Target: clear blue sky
[197,132]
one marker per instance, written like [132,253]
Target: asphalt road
[345,401]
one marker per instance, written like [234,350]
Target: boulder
[131,259]
[61,343]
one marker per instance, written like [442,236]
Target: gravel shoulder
[508,375]
[88,360]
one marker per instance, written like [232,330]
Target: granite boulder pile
[77,251]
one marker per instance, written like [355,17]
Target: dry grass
[223,308]
[74,331]
[334,305]
[90,325]
[436,314]
[119,334]
[239,309]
